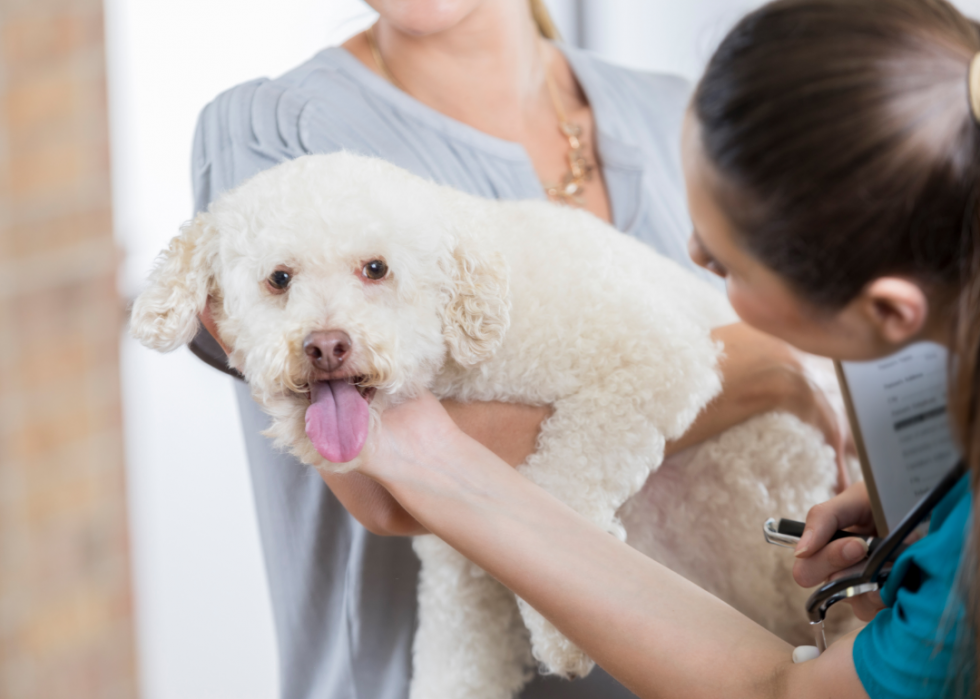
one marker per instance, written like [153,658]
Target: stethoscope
[882,554]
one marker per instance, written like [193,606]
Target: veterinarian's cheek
[694,251]
[775,311]
[762,313]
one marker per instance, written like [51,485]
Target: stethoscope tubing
[876,569]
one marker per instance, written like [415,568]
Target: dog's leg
[470,643]
[592,456]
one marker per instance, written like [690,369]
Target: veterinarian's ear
[165,315]
[477,312]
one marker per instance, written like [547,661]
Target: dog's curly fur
[509,301]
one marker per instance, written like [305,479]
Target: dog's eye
[375,269]
[280,279]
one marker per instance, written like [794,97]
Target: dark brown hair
[846,150]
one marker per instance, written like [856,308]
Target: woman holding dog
[469,94]
[832,159]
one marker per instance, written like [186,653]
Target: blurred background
[129,556]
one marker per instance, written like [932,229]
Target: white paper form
[900,406]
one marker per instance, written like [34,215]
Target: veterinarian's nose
[327,350]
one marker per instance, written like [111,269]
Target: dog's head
[342,283]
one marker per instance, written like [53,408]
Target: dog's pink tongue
[337,420]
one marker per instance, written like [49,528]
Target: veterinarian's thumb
[817,560]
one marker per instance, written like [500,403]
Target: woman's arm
[659,634]
[509,430]
[759,374]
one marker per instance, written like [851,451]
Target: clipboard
[896,407]
[881,524]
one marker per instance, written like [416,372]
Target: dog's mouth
[361,382]
[338,418]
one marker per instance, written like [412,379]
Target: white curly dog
[345,284]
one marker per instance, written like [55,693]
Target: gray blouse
[344,599]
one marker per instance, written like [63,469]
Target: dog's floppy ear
[165,315]
[476,313]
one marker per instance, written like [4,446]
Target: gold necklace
[380,61]
[569,190]
[571,187]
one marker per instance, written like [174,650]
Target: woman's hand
[761,374]
[509,430]
[415,428]
[411,433]
[207,320]
[818,560]
[411,429]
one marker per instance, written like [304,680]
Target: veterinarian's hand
[412,435]
[406,430]
[418,427]
[509,430]
[760,374]
[818,560]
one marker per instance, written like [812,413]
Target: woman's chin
[421,18]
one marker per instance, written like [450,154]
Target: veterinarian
[832,160]
[469,94]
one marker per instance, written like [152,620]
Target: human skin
[482,62]
[651,629]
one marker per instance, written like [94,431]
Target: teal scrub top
[920,645]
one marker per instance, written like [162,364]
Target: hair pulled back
[847,150]
[542,20]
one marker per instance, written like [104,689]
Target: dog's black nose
[327,350]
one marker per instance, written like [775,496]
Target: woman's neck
[487,70]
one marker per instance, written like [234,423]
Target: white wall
[204,625]
[676,36]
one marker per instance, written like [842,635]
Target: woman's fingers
[866,606]
[850,510]
[818,558]
[830,561]
[207,320]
